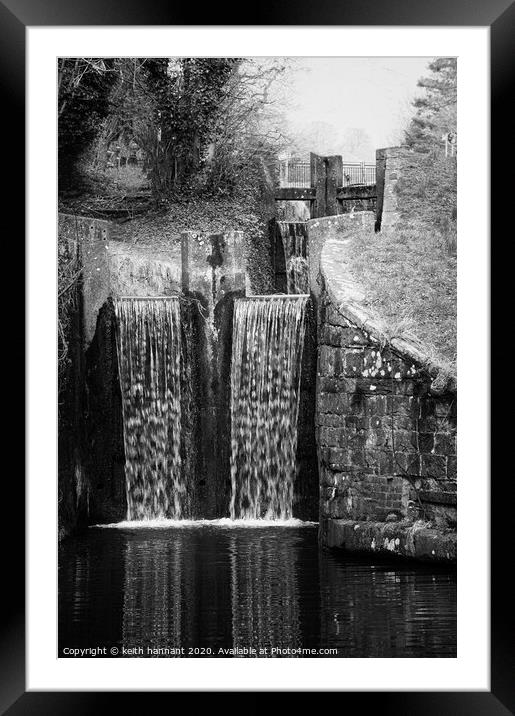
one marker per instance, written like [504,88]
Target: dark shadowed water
[200,589]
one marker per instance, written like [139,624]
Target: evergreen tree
[427,188]
[435,110]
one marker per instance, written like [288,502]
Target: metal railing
[297,174]
[359,173]
[294,174]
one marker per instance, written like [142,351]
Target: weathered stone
[381,433]
[440,497]
[405,441]
[332,336]
[452,468]
[433,466]
[402,405]
[353,362]
[335,437]
[400,538]
[445,444]
[386,464]
[408,463]
[331,385]
[330,361]
[332,403]
[426,442]
[335,318]
[377,405]
[330,420]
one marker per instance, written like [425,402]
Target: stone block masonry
[386,440]
[385,443]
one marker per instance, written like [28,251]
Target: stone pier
[213,275]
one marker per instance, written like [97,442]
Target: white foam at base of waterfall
[224,522]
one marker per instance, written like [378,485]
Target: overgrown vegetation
[69,272]
[201,124]
[427,190]
[190,142]
[409,272]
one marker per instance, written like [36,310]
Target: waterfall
[297,274]
[295,242]
[149,364]
[268,338]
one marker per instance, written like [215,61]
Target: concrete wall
[386,443]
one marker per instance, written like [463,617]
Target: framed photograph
[257,272]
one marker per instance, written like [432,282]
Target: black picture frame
[15,16]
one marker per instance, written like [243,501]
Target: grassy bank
[409,279]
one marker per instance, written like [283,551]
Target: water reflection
[264,600]
[213,588]
[377,610]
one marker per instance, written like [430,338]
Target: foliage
[427,189]
[204,125]
[427,198]
[209,133]
[83,90]
[435,109]
[69,273]
[188,93]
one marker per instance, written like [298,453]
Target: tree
[247,133]
[428,187]
[203,124]
[435,110]
[84,85]
[188,93]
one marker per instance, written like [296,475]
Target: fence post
[334,180]
[317,169]
[326,179]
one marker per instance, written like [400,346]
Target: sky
[372,94]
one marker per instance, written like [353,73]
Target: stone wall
[390,165]
[92,238]
[386,439]
[321,229]
[135,271]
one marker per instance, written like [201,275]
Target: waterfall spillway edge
[268,338]
[149,365]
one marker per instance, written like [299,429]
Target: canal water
[214,589]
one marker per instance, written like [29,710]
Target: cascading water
[295,242]
[149,363]
[268,339]
[297,274]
